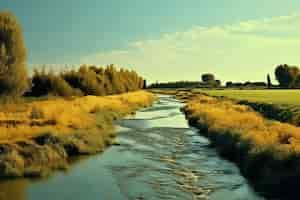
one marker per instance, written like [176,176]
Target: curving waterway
[158,156]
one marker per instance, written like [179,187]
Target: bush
[48,83]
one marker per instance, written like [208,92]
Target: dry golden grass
[225,117]
[26,120]
[267,152]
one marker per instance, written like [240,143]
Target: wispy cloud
[244,51]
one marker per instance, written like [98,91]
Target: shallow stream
[158,156]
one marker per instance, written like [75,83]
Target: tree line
[176,84]
[207,81]
[87,80]
[288,76]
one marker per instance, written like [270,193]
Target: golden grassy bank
[281,105]
[268,152]
[38,136]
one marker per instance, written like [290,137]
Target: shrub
[48,83]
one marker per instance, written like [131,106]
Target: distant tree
[287,75]
[218,83]
[13,74]
[229,84]
[269,83]
[208,78]
[177,84]
[297,82]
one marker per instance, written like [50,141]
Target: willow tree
[13,74]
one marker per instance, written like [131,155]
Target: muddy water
[158,157]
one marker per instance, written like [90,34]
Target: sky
[163,40]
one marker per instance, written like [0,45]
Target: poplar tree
[13,74]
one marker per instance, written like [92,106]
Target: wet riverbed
[158,156]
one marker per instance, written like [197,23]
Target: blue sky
[163,39]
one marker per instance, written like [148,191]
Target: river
[158,156]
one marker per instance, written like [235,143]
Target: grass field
[286,97]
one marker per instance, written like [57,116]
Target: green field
[287,97]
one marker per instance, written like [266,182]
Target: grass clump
[36,113]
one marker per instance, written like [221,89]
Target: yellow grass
[226,117]
[25,120]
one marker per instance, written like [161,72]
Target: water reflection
[13,190]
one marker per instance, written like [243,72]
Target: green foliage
[178,84]
[87,80]
[103,81]
[247,84]
[13,75]
[291,97]
[207,78]
[48,83]
[287,75]
[268,102]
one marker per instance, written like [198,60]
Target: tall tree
[208,78]
[269,81]
[13,74]
[287,75]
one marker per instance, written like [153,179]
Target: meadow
[274,96]
[281,105]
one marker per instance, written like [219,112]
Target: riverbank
[41,136]
[267,152]
[281,105]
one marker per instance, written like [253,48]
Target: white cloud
[244,51]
